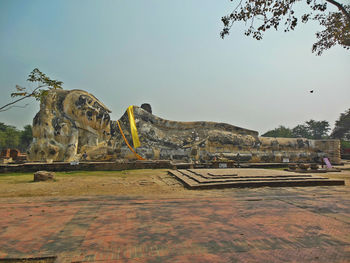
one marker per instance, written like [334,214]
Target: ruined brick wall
[276,150]
[331,148]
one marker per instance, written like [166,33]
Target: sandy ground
[135,183]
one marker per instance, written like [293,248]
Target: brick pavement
[237,225]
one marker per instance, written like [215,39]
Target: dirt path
[132,183]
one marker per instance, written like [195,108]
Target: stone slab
[210,178]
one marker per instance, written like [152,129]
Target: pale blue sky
[169,54]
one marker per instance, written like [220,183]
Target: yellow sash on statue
[133,129]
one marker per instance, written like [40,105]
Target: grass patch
[16,178]
[13,174]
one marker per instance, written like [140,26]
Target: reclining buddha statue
[72,125]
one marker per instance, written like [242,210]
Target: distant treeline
[310,129]
[11,137]
[316,130]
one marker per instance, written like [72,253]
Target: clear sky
[169,54]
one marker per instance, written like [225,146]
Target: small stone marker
[43,176]
[222,165]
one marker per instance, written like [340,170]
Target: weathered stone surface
[6,160]
[43,176]
[71,123]
[224,178]
[68,123]
[304,166]
[314,166]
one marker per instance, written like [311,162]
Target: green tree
[345,144]
[318,129]
[26,137]
[281,131]
[2,139]
[44,84]
[262,15]
[11,137]
[301,131]
[342,127]
[3,127]
[311,130]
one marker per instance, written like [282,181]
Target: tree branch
[3,108]
[15,106]
[341,8]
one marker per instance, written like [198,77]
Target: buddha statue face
[67,121]
[89,112]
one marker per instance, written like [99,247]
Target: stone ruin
[11,155]
[74,125]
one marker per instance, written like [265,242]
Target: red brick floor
[242,225]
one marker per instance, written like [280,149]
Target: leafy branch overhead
[44,84]
[262,15]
